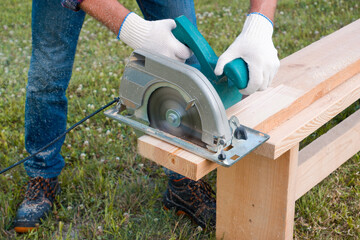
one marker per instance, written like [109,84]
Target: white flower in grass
[82,156]
[80,88]
[86,143]
[108,132]
[69,207]
[91,106]
[104,89]
[8,175]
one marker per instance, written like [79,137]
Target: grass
[110,192]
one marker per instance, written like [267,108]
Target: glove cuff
[257,26]
[134,30]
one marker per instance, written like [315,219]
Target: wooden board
[310,119]
[308,75]
[327,153]
[303,78]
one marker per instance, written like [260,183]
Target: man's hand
[153,35]
[254,45]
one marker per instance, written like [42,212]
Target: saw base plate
[229,155]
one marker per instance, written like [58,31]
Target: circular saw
[185,105]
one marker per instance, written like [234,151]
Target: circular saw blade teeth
[169,112]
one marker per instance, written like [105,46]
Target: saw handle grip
[236,71]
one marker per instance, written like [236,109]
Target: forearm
[266,7]
[109,12]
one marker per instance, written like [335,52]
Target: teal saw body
[184,105]
[235,75]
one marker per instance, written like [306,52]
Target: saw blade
[169,112]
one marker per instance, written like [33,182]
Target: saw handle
[236,71]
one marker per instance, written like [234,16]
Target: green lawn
[108,190]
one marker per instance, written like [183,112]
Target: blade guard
[236,71]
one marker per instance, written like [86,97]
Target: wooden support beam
[256,198]
[327,153]
[310,119]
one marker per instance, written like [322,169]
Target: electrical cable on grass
[61,135]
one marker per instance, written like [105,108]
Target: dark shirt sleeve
[71,4]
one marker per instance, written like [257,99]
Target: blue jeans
[55,32]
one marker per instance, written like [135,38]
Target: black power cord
[62,135]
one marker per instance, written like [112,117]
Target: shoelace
[203,188]
[36,185]
[207,189]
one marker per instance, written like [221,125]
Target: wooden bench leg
[256,198]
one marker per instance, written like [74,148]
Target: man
[55,32]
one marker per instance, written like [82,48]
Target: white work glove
[254,45]
[155,36]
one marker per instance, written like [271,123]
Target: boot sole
[24,229]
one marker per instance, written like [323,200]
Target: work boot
[38,202]
[195,199]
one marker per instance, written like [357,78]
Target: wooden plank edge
[174,158]
[310,119]
[327,153]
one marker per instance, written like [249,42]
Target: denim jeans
[55,32]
